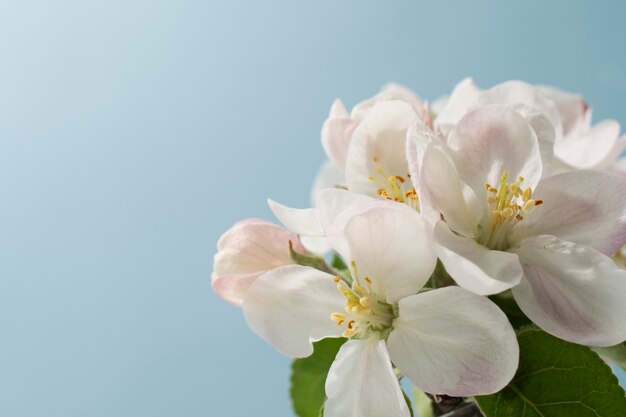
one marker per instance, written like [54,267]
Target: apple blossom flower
[447,341]
[340,126]
[503,226]
[247,250]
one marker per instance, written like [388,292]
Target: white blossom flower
[247,250]
[503,226]
[447,341]
[340,127]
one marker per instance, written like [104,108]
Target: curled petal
[473,266]
[442,189]
[572,291]
[300,221]
[518,92]
[390,92]
[361,383]
[290,307]
[450,341]
[245,251]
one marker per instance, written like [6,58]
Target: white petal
[589,149]
[336,134]
[612,157]
[331,203]
[473,266]
[463,98]
[390,92]
[546,135]
[572,291]
[300,221]
[233,288]
[317,245]
[442,189]
[586,207]
[518,92]
[450,341]
[491,140]
[290,307]
[390,244]
[379,143]
[361,383]
[571,107]
[329,176]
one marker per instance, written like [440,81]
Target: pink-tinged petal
[336,134]
[361,383]
[450,341]
[441,188]
[290,307]
[233,288]
[518,92]
[613,157]
[390,244]
[590,148]
[390,92]
[546,135]
[473,266]
[300,221]
[331,203]
[572,291]
[620,167]
[245,251]
[328,177]
[378,147]
[572,107]
[463,99]
[586,207]
[492,140]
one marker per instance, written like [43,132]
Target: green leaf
[507,304]
[557,379]
[617,354]
[408,403]
[308,376]
[422,403]
[338,263]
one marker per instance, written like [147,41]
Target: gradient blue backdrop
[133,133]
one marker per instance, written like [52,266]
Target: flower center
[395,187]
[365,312]
[507,205]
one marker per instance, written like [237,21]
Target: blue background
[133,133]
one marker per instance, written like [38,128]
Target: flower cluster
[432,209]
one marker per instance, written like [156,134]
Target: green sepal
[309,260]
